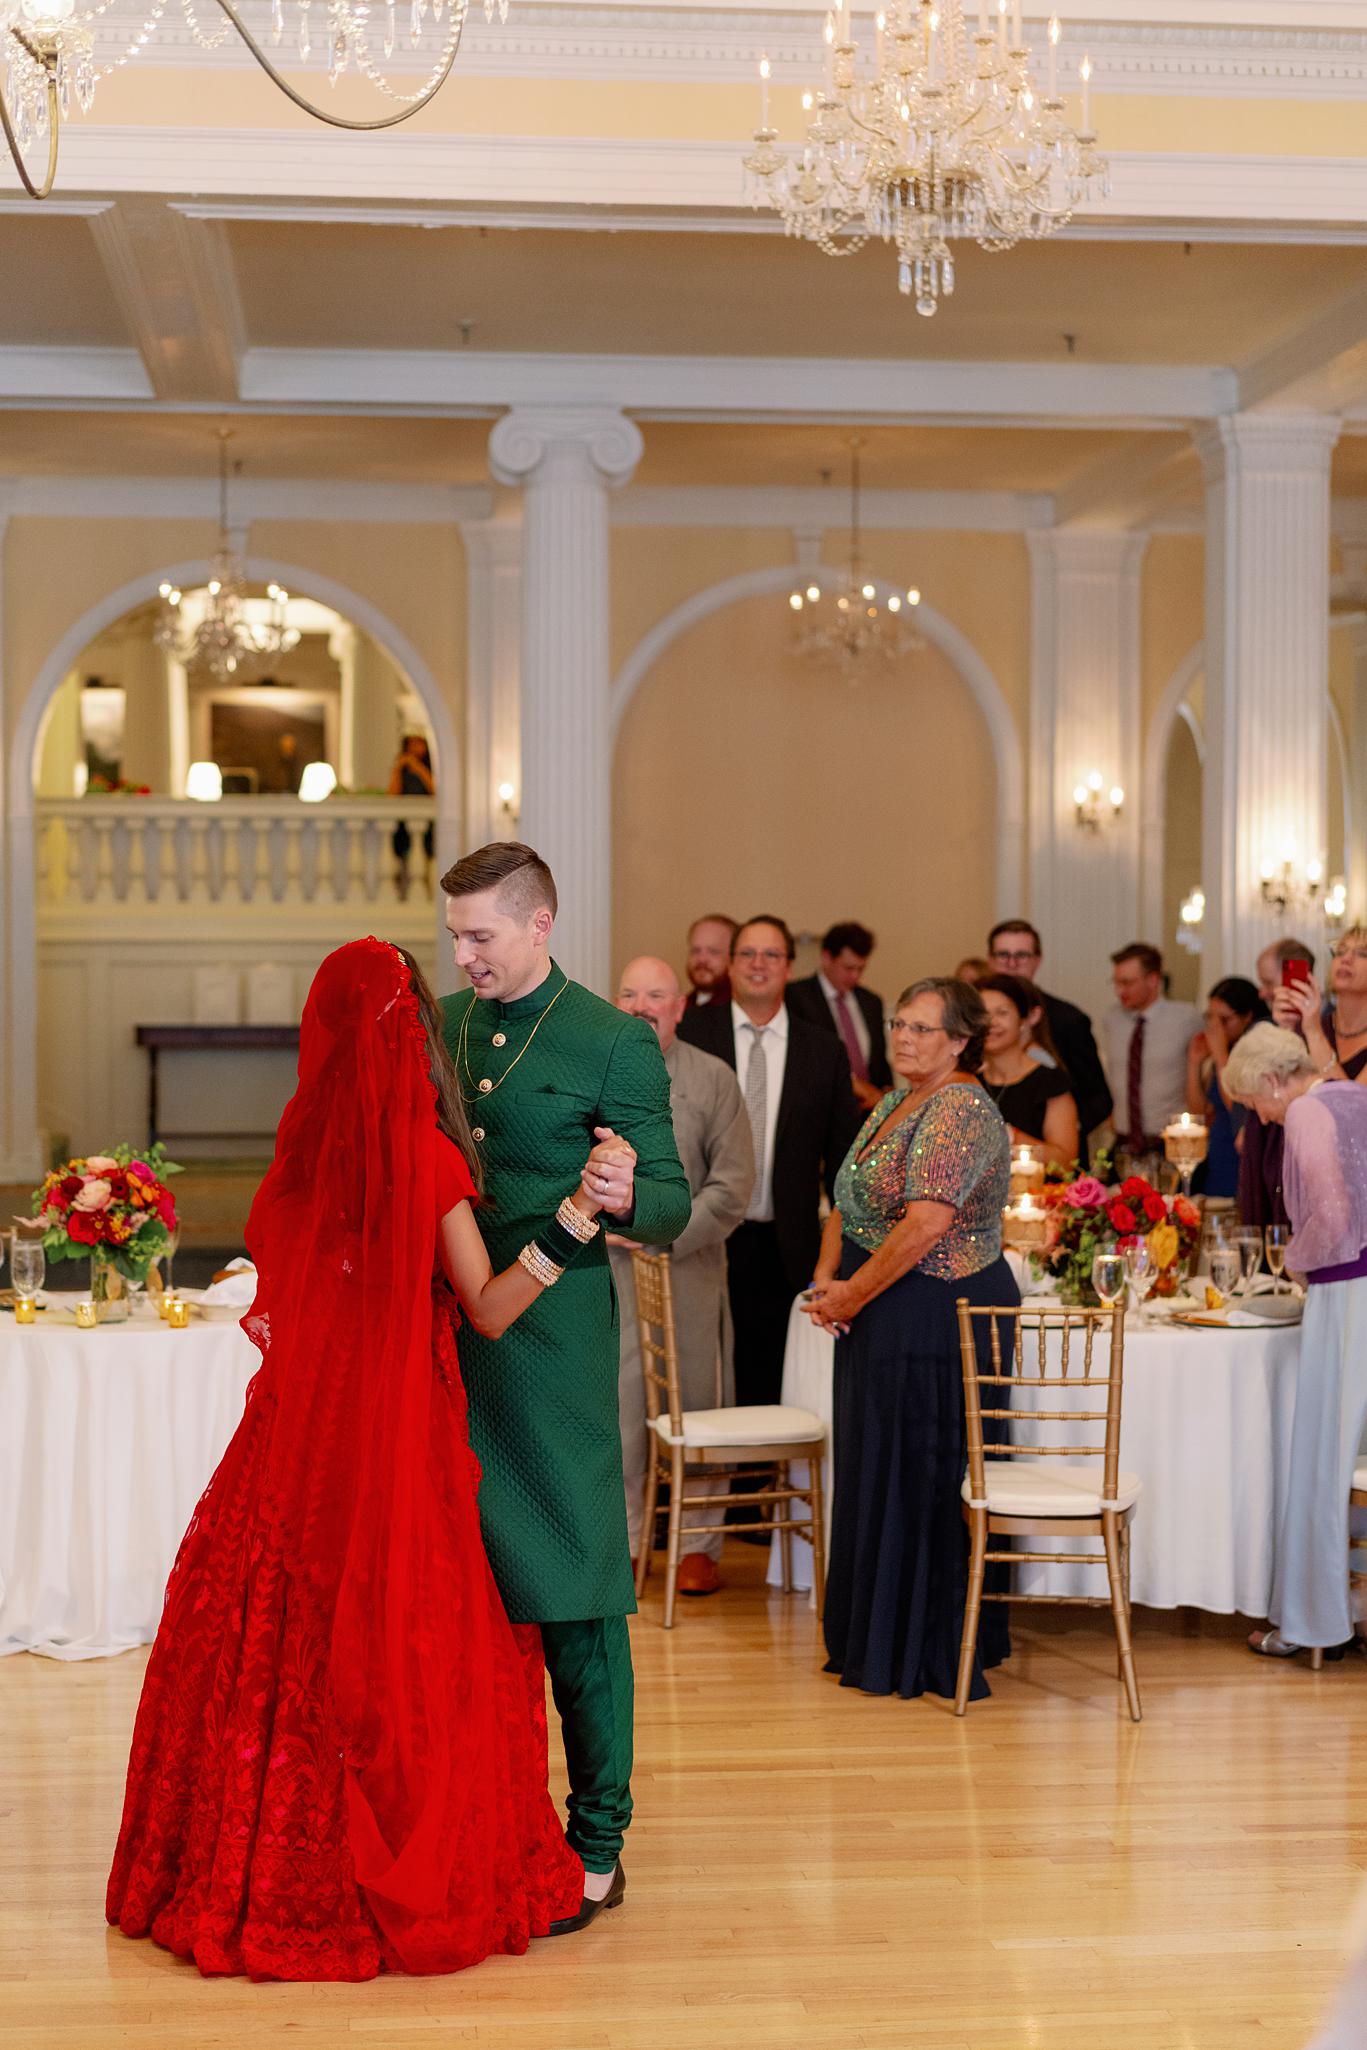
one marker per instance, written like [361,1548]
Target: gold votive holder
[87,1316]
[177,1314]
[25,1310]
[162,1302]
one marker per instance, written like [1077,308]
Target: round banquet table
[1206,1425]
[107,1439]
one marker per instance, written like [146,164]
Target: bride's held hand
[609,1177]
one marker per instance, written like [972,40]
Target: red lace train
[234,1848]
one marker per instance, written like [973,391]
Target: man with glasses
[795,1079]
[1015,948]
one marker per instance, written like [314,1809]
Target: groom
[545,1066]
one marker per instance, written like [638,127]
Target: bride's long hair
[451,1117]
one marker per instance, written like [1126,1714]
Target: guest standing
[972,969]
[1325,1122]
[712,1133]
[411,776]
[1147,1039]
[1336,1031]
[1271,961]
[1016,949]
[917,1224]
[1260,1157]
[1036,1101]
[708,966]
[796,1084]
[835,1000]
[1232,1006]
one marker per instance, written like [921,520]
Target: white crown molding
[254,499]
[75,375]
[818,510]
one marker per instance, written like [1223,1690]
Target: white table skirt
[107,1439]
[1207,1427]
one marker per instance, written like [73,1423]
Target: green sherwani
[543,1398]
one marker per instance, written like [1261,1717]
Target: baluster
[308,837]
[278,852]
[183,845]
[151,858]
[244,859]
[372,855]
[339,854]
[120,858]
[293,860]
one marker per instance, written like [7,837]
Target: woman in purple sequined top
[1325,1178]
[917,1224]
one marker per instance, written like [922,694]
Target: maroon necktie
[1134,1083]
[859,1067]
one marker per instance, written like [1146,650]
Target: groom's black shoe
[590,1910]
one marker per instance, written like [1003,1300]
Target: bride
[339,1761]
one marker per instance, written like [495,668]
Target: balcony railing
[262,851]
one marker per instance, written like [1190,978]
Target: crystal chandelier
[841,617]
[57,51]
[226,640]
[933,136]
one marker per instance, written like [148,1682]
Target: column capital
[580,443]
[1271,442]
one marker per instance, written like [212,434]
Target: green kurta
[543,1398]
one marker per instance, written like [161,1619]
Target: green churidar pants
[591,1680]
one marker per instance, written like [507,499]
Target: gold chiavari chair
[1013,1491]
[722,1440]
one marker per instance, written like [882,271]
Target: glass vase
[108,1289]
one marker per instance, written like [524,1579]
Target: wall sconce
[1282,890]
[1091,807]
[1336,904]
[204,781]
[1191,919]
[507,799]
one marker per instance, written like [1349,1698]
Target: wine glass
[1138,1268]
[172,1243]
[1249,1240]
[28,1267]
[1276,1238]
[1108,1278]
[1226,1265]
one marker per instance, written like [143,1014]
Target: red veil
[343,1232]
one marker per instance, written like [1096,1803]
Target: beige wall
[745,780]
[1172,611]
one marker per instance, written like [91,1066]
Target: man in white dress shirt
[1147,1036]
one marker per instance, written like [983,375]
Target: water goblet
[28,1267]
[1276,1238]
[1226,1266]
[1249,1239]
[1108,1278]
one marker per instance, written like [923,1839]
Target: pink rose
[1086,1193]
[94,1196]
[100,1163]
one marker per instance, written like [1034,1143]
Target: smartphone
[1295,974]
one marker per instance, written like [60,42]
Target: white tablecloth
[107,1438]
[1207,1427]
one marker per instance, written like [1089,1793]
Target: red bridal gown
[239,1825]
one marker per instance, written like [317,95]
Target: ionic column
[493,756]
[1084,720]
[567,458]
[1267,673]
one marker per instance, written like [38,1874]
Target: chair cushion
[1046,1487]
[762,1423]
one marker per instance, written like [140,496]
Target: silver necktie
[757,1091]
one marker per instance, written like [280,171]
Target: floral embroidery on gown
[328,1780]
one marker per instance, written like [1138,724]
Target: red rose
[70,1186]
[84,1228]
[166,1209]
[1155,1209]
[1123,1218]
[1135,1188]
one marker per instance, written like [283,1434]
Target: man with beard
[712,1133]
[709,960]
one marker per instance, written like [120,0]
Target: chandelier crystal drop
[226,640]
[843,617]
[933,135]
[56,53]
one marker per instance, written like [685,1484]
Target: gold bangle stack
[539,1265]
[573,1220]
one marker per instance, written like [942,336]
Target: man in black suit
[796,1083]
[1015,948]
[835,1000]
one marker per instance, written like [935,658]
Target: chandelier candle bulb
[1085,74]
[764,93]
[1055,30]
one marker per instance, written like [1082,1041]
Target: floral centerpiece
[1086,1217]
[114,1208]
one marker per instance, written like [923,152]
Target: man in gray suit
[712,1132]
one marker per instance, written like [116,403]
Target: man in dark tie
[834,1000]
[1014,948]
[795,1079]
[1147,1038]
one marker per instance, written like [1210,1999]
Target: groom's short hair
[516,871]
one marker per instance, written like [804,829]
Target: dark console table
[160,1039]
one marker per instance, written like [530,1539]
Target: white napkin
[237,1290]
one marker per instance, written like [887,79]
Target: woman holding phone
[1335,1032]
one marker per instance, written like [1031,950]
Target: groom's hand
[610,1173]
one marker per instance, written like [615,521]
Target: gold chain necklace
[486,1087]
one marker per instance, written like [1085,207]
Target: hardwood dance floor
[810,1870]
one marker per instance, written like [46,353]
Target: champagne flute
[1226,1265]
[1249,1240]
[1108,1278]
[1276,1238]
[1138,1268]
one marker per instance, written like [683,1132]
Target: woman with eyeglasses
[1335,1031]
[917,1223]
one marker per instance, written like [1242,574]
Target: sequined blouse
[955,1149]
